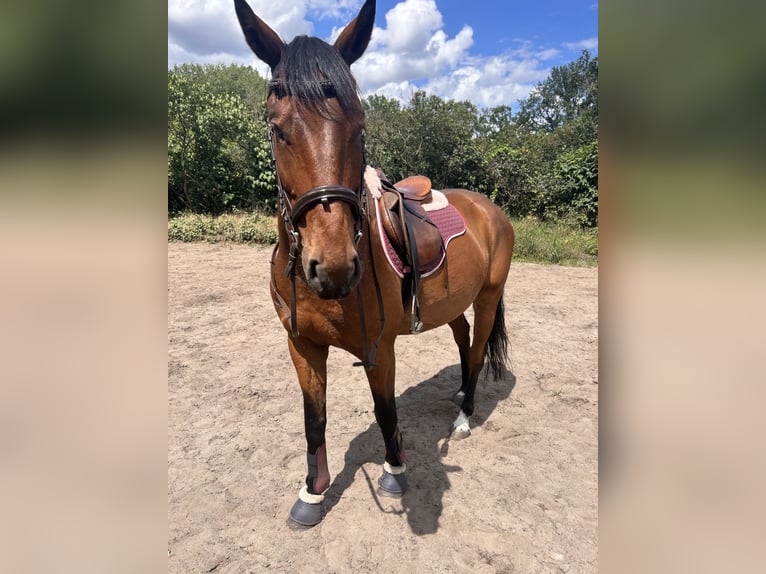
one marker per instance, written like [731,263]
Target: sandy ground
[519,495]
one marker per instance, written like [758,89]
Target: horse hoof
[458,398]
[304,515]
[295,527]
[461,428]
[392,485]
[461,432]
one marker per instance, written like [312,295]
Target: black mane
[311,71]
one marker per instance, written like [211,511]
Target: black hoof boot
[393,482]
[307,510]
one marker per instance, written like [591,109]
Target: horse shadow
[426,412]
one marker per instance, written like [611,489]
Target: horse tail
[497,345]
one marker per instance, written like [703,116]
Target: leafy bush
[576,192]
[537,241]
[513,172]
[240,228]
[257,228]
[189,227]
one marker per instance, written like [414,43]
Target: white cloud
[402,91]
[334,9]
[549,54]
[207,31]
[411,52]
[413,47]
[409,26]
[492,82]
[587,44]
[526,50]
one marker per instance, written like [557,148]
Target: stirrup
[416,325]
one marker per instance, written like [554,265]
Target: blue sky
[491,52]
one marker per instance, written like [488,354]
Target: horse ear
[353,41]
[262,40]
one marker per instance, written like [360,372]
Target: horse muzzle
[332,280]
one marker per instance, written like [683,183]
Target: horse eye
[278,132]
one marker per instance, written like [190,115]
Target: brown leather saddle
[411,232]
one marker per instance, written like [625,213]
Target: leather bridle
[291,214]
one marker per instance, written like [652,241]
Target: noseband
[291,214]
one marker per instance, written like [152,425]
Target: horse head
[316,129]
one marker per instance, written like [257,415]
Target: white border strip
[394,469]
[309,498]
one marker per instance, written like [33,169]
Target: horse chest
[325,322]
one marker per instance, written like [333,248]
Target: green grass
[556,243]
[536,241]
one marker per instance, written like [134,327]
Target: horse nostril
[313,264]
[333,281]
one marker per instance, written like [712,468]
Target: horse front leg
[310,363]
[393,481]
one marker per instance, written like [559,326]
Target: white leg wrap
[309,498]
[394,469]
[461,422]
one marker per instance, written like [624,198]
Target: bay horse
[331,283]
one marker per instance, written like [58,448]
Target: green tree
[241,81]
[569,92]
[218,154]
[493,122]
[542,161]
[443,142]
[387,136]
[184,100]
[576,189]
[511,171]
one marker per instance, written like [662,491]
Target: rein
[291,214]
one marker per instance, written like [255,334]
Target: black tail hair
[497,345]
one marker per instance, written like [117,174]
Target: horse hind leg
[461,331]
[489,340]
